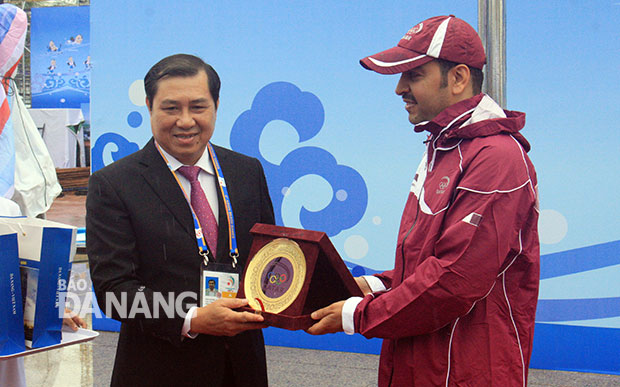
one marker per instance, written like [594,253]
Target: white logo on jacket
[443,184]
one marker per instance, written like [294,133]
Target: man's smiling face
[183,116]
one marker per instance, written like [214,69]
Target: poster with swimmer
[60,57]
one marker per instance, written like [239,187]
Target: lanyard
[203,249]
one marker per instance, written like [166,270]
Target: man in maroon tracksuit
[458,308]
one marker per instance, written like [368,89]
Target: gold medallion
[275,276]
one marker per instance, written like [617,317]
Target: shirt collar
[204,162]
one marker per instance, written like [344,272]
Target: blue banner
[11,311]
[60,61]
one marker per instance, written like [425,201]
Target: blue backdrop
[334,138]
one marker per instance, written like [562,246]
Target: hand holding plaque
[293,272]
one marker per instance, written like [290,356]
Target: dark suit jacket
[140,241]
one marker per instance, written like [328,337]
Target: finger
[79,321]
[252,317]
[233,303]
[319,314]
[69,322]
[315,329]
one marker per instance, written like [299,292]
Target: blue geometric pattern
[562,266]
[304,112]
[124,148]
[582,309]
[579,260]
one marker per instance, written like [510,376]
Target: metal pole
[492,30]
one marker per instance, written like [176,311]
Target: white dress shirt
[206,178]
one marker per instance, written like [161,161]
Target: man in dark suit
[144,248]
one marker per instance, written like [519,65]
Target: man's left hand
[73,320]
[330,319]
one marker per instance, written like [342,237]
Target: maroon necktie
[201,206]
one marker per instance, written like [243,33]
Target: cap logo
[416,29]
[413,31]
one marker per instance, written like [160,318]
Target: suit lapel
[164,185]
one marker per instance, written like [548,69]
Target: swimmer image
[75,40]
[52,66]
[51,46]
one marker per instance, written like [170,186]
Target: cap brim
[395,60]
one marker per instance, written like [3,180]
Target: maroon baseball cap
[440,37]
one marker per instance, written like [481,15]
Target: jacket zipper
[415,221]
[402,246]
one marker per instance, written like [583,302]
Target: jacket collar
[478,116]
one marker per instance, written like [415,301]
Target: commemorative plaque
[275,276]
[293,272]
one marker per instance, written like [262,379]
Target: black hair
[180,65]
[477,76]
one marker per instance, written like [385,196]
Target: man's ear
[461,77]
[148,104]
[217,104]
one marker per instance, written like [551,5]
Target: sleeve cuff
[375,284]
[348,309]
[191,313]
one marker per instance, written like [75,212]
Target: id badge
[217,284]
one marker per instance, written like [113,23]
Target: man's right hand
[363,285]
[219,318]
